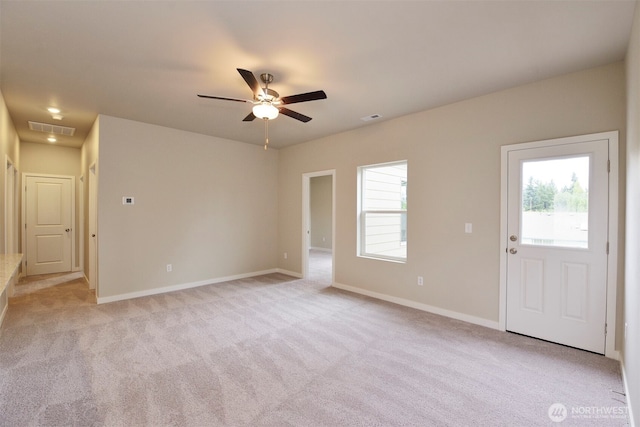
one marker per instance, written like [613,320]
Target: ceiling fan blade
[251,117]
[251,81]
[223,98]
[304,97]
[294,115]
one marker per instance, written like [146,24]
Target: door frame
[24,215]
[306,219]
[613,208]
[92,241]
[11,211]
[81,220]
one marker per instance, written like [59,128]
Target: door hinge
[608,165]
[605,329]
[607,248]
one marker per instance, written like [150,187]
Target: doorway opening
[318,234]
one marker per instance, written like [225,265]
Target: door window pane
[555,202]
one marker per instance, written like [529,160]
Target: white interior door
[557,221]
[48,224]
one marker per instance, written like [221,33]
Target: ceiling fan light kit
[265,110]
[267,102]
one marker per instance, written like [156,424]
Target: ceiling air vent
[52,129]
[371,117]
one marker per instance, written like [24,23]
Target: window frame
[362,213]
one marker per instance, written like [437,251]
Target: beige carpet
[275,351]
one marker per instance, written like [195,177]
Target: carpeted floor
[276,351]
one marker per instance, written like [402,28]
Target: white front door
[48,224]
[557,218]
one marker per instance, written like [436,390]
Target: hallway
[320,266]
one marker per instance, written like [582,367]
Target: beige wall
[453,157]
[50,159]
[55,160]
[321,206]
[631,350]
[206,205]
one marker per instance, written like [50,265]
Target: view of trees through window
[555,202]
[545,196]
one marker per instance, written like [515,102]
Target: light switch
[468,227]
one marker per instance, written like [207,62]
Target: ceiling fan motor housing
[268,95]
[266,78]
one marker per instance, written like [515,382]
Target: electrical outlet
[420,281]
[169,268]
[285,255]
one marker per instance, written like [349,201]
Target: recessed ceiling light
[52,139]
[56,116]
[53,110]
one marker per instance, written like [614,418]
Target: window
[555,202]
[382,226]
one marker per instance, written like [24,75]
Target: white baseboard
[6,306]
[328,250]
[86,280]
[182,286]
[420,306]
[632,422]
[4,313]
[289,273]
[614,354]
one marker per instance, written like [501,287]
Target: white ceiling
[147,60]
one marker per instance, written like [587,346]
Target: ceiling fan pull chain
[266,132]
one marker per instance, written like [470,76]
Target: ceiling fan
[267,103]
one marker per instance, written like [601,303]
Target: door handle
[513,251]
[67,230]
[93,235]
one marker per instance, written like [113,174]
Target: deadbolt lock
[513,238]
